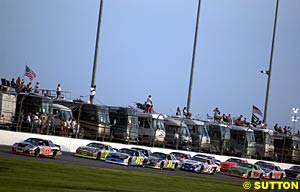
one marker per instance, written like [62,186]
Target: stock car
[181,156]
[160,160]
[94,150]
[215,161]
[246,170]
[225,165]
[126,156]
[200,165]
[36,147]
[271,171]
[293,172]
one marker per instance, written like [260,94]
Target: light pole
[270,65]
[295,117]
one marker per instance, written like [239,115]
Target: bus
[286,148]
[123,124]
[59,113]
[264,143]
[199,134]
[241,141]
[151,128]
[219,137]
[177,134]
[93,120]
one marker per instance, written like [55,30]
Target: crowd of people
[286,129]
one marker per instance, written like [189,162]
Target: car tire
[54,154]
[98,156]
[281,177]
[270,177]
[214,171]
[161,166]
[175,167]
[37,152]
[129,161]
[249,175]
[201,170]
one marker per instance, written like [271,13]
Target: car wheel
[129,161]
[54,154]
[175,167]
[161,166]
[213,172]
[249,175]
[98,156]
[37,152]
[281,176]
[201,169]
[270,177]
[260,177]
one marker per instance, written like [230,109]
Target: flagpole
[97,44]
[270,65]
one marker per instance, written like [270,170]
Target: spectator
[37,87]
[185,112]
[58,91]
[92,94]
[18,82]
[239,121]
[28,87]
[149,102]
[13,84]
[151,110]
[229,120]
[276,127]
[217,115]
[178,112]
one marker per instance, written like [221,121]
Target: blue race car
[126,157]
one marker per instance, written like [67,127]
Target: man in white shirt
[92,94]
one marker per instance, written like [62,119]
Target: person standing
[148,103]
[92,94]
[58,91]
[37,87]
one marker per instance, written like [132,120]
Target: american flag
[256,110]
[29,73]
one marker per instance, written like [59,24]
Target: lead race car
[200,165]
[126,157]
[94,150]
[36,147]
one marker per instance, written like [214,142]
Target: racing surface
[70,159]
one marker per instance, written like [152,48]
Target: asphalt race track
[70,159]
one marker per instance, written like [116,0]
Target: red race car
[225,165]
[36,147]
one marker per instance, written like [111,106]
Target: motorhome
[151,128]
[219,137]
[7,108]
[264,143]
[59,113]
[123,124]
[93,119]
[286,148]
[177,134]
[241,142]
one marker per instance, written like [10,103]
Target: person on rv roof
[37,87]
[92,94]
[58,91]
[178,112]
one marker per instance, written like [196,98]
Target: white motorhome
[151,128]
[199,134]
[60,112]
[7,107]
[177,133]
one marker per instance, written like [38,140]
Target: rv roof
[54,105]
[175,122]
[151,115]
[240,128]
[193,122]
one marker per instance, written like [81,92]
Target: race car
[215,161]
[126,156]
[271,171]
[36,147]
[231,162]
[293,172]
[160,160]
[181,156]
[200,165]
[246,170]
[94,151]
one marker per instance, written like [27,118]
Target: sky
[146,48]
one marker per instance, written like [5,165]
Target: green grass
[23,175]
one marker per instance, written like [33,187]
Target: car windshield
[295,168]
[267,166]
[159,155]
[199,159]
[96,145]
[178,155]
[248,165]
[127,151]
[234,160]
[36,142]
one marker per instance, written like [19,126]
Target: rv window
[146,124]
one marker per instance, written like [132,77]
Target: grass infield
[25,175]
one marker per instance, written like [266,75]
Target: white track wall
[71,144]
